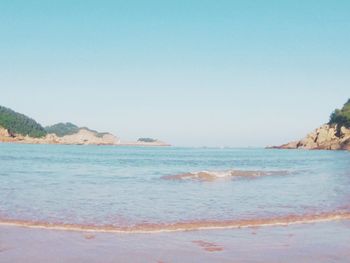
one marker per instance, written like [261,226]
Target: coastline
[135,144]
[83,137]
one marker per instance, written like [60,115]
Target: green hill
[17,123]
[61,129]
[342,116]
[146,140]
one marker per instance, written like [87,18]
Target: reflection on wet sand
[209,176]
[187,225]
[3,249]
[208,246]
[89,236]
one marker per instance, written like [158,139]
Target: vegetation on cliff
[17,127]
[61,129]
[17,123]
[146,140]
[341,117]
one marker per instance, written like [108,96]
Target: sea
[141,189]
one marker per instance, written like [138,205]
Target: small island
[335,135]
[145,142]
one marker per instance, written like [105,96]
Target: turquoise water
[123,186]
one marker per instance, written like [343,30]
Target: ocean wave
[215,175]
[186,225]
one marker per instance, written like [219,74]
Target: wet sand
[318,242]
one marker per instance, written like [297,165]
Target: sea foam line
[185,226]
[214,175]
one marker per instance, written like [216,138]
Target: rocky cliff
[85,136]
[326,137]
[332,136]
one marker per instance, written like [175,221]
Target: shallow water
[124,186]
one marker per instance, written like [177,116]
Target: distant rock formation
[69,133]
[146,139]
[86,136]
[144,143]
[326,137]
[82,137]
[332,136]
[18,128]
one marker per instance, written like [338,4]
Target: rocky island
[335,135]
[18,128]
[145,142]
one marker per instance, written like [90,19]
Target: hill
[17,123]
[18,128]
[63,129]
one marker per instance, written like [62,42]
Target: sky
[192,73]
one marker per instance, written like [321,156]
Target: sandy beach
[317,242]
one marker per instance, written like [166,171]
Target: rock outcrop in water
[332,136]
[326,137]
[142,143]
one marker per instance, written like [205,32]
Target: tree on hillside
[341,117]
[17,123]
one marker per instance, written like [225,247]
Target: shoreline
[83,136]
[184,226]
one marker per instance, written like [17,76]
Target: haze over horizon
[191,73]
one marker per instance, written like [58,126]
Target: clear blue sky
[234,73]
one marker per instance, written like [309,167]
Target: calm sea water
[123,186]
